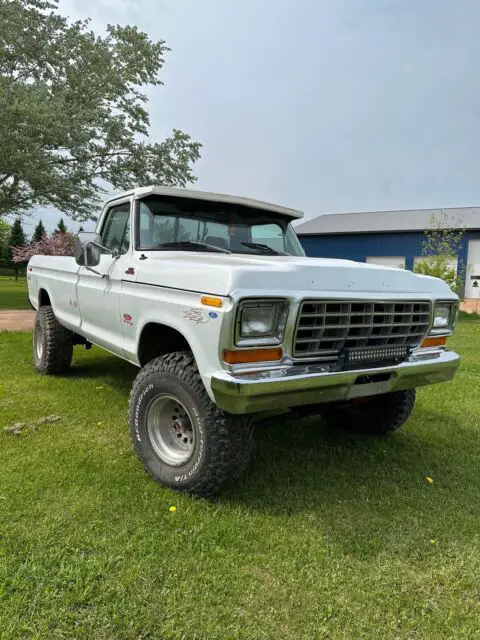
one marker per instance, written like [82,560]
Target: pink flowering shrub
[58,244]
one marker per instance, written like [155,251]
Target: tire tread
[231,443]
[58,344]
[383,416]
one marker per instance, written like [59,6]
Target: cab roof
[143,192]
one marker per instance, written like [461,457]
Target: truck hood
[222,274]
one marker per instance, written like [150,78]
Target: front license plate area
[369,389]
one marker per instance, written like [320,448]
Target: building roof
[384,221]
[143,192]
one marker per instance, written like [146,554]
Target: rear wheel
[52,343]
[184,441]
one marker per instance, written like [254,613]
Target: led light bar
[361,355]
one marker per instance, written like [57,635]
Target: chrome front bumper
[313,384]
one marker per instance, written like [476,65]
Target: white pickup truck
[213,298]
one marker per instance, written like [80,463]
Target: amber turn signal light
[209,301]
[252,355]
[433,341]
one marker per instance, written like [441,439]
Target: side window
[116,229]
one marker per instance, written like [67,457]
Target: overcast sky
[321,105]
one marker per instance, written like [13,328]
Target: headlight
[441,317]
[261,322]
[257,322]
[444,317]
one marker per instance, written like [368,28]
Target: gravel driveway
[16,320]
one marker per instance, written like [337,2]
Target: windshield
[187,224]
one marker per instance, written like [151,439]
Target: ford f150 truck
[213,298]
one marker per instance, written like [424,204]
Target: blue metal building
[392,238]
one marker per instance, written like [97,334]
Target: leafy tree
[441,247]
[58,244]
[73,113]
[61,226]
[39,232]
[17,237]
[5,231]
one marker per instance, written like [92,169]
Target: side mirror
[88,249]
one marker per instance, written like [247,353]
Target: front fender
[182,311]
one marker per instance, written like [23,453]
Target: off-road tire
[376,416]
[52,343]
[223,442]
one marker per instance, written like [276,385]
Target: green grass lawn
[329,536]
[13,293]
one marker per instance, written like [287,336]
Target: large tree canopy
[73,112]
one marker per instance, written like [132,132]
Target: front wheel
[375,416]
[184,441]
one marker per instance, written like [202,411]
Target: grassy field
[329,536]
[13,293]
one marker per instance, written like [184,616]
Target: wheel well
[157,340]
[43,298]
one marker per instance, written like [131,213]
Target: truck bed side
[55,277]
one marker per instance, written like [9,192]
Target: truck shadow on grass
[111,370]
[364,495]
[368,495]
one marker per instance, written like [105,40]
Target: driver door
[99,297]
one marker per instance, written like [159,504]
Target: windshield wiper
[187,244]
[265,247]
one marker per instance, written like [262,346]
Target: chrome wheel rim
[170,429]
[39,341]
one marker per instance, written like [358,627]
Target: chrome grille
[326,327]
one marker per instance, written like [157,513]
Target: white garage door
[388,261]
[472,283]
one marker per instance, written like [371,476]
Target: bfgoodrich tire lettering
[222,442]
[52,343]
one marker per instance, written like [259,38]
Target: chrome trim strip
[294,385]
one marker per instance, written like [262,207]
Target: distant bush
[58,244]
[440,248]
[439,266]
[469,316]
